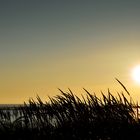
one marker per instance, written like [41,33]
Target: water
[9,112]
[10,105]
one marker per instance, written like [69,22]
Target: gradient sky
[50,44]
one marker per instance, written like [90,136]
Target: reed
[67,116]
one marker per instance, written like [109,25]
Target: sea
[10,111]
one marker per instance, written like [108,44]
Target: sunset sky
[50,44]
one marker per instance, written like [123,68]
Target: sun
[136,74]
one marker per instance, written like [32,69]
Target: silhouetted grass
[66,116]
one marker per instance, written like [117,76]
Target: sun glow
[136,74]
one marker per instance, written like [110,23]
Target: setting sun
[136,74]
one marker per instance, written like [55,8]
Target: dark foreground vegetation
[67,117]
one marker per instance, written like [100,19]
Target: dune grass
[67,116]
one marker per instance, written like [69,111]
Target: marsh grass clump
[67,116]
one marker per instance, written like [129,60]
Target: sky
[76,44]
